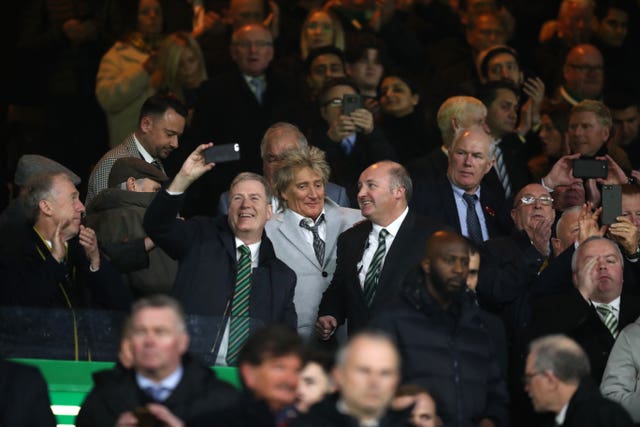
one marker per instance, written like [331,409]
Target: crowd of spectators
[442,194]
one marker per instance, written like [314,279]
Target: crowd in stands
[383,213]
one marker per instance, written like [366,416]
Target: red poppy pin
[489,211]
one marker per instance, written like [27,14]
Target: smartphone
[350,103]
[222,153]
[611,203]
[145,418]
[590,168]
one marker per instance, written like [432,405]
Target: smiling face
[64,206]
[502,114]
[378,201]
[319,30]
[305,194]
[527,217]
[469,159]
[249,210]
[396,97]
[607,271]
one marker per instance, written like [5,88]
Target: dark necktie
[239,322]
[608,318]
[157,393]
[473,223]
[372,278]
[258,88]
[157,164]
[318,243]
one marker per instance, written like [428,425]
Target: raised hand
[193,168]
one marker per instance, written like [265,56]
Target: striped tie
[239,322]
[373,274]
[608,318]
[501,169]
[318,243]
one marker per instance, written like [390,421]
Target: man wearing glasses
[237,106]
[350,140]
[556,379]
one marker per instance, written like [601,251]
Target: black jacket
[24,399]
[454,354]
[116,392]
[587,408]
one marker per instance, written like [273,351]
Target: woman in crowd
[183,67]
[128,72]
[320,28]
[554,140]
[403,122]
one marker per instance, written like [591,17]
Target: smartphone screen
[611,203]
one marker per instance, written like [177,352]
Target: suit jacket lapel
[450,209]
[333,221]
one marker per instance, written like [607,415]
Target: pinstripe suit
[99,178]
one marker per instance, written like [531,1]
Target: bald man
[433,319]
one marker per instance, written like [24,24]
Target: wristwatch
[635,255]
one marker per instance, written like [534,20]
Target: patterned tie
[373,274]
[608,318]
[501,169]
[318,243]
[239,322]
[258,88]
[347,144]
[473,223]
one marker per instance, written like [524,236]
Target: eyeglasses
[335,102]
[586,68]
[258,44]
[526,378]
[530,200]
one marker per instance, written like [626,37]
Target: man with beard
[434,319]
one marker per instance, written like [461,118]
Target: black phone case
[611,203]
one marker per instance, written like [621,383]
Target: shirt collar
[308,220]
[254,247]
[562,415]
[460,191]
[143,152]
[394,226]
[615,304]
[170,382]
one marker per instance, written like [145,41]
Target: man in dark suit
[24,398]
[239,105]
[595,311]
[457,199]
[557,380]
[163,385]
[226,259]
[374,256]
[510,172]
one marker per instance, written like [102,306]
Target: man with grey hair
[557,380]
[367,373]
[116,215]
[227,266]
[595,310]
[455,114]
[456,198]
[279,138]
[163,384]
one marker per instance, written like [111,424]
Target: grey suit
[333,191]
[290,246]
[99,179]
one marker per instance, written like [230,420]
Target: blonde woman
[320,28]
